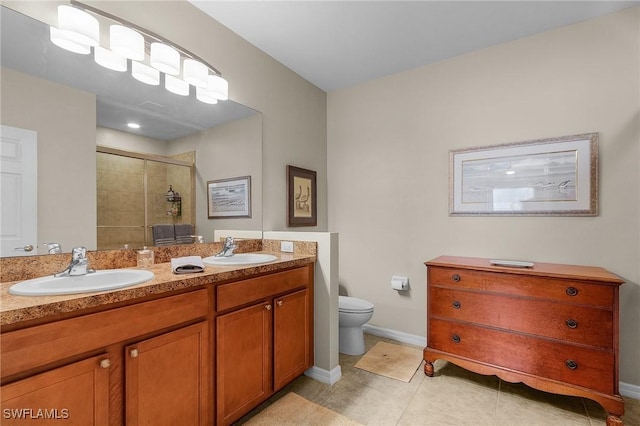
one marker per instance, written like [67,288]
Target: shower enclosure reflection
[132,196]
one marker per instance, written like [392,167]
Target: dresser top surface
[555,270]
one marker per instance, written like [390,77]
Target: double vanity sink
[113,279]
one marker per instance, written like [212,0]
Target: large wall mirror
[76,108]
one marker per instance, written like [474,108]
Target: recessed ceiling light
[133,125]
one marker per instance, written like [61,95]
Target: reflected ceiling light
[109,59]
[175,85]
[218,87]
[133,125]
[61,39]
[195,72]
[204,96]
[126,42]
[79,26]
[145,73]
[165,58]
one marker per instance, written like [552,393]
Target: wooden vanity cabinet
[553,327]
[146,363]
[264,338]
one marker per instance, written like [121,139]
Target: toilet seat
[353,305]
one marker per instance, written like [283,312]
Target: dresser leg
[613,420]
[428,369]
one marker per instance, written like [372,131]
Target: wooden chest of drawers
[553,327]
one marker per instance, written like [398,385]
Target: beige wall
[65,120]
[226,151]
[388,145]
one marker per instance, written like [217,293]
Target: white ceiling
[337,44]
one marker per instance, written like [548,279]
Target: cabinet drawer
[242,292]
[576,324]
[562,290]
[589,368]
[39,345]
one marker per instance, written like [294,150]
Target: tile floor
[453,396]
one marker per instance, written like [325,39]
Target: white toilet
[353,313]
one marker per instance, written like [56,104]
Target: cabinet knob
[133,353]
[105,363]
[571,323]
[571,291]
[268,307]
[455,278]
[455,338]
[571,364]
[456,304]
[279,303]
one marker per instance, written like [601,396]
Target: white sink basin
[107,279]
[240,259]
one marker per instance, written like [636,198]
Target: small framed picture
[301,197]
[229,198]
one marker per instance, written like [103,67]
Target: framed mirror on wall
[74,105]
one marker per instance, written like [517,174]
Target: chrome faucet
[53,248]
[227,248]
[79,264]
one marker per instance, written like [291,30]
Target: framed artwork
[229,198]
[546,177]
[301,197]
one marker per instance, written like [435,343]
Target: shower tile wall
[120,193]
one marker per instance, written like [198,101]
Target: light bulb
[165,58]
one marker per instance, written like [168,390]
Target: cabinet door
[76,394]
[166,378]
[292,336]
[243,374]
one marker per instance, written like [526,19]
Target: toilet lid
[353,304]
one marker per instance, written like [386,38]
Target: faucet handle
[53,248]
[79,253]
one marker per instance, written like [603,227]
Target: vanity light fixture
[175,85]
[78,30]
[109,59]
[126,42]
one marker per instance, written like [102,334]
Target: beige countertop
[16,309]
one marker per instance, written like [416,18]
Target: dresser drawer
[589,368]
[562,290]
[576,324]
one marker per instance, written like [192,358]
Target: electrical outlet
[286,246]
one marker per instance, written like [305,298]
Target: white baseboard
[399,336]
[626,389]
[324,376]
[632,391]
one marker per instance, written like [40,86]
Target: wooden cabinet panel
[292,336]
[247,291]
[36,346]
[554,327]
[577,324]
[165,378]
[243,373]
[76,395]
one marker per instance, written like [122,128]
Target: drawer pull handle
[279,303]
[268,307]
[572,291]
[105,363]
[571,323]
[456,304]
[133,353]
[571,364]
[455,338]
[455,278]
